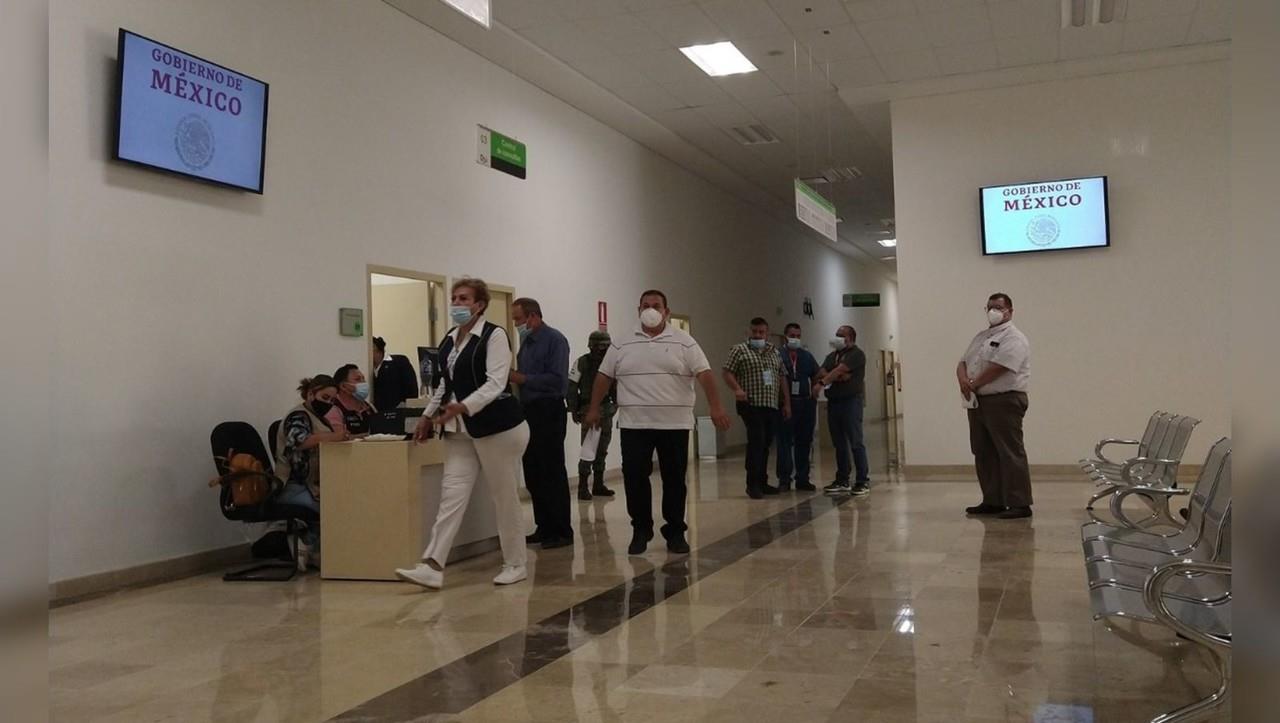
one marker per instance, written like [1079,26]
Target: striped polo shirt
[655,376]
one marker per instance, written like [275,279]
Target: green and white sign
[351,322]
[501,153]
[815,211]
[861,300]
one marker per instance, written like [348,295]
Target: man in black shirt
[393,377]
[844,376]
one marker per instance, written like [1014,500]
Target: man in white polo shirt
[995,373]
[655,368]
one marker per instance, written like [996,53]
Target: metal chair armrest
[1153,595]
[1097,450]
[1118,497]
[1126,471]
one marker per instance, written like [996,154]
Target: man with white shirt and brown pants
[997,369]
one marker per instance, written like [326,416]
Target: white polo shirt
[1005,345]
[655,376]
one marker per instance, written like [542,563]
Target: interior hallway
[889,607]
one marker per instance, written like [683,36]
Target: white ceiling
[827,68]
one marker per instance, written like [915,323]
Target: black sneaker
[805,487]
[837,488]
[677,544]
[639,542]
[860,489]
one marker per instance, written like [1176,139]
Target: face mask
[793,343]
[362,391]
[523,331]
[651,318]
[837,342]
[756,344]
[460,314]
[320,407]
[995,316]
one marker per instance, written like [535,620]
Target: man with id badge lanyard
[795,435]
[754,374]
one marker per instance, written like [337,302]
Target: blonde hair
[479,289]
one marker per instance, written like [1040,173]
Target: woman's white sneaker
[424,575]
[511,574]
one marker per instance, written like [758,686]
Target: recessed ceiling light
[477,10]
[888,243]
[719,59]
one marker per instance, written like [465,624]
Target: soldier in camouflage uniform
[581,376]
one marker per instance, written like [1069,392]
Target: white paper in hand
[970,403]
[589,445]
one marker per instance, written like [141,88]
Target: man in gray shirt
[844,374]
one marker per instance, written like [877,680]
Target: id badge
[795,389]
[768,377]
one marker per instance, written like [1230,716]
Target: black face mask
[320,407]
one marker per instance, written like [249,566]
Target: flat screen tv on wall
[183,114]
[1045,216]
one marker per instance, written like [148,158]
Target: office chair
[243,439]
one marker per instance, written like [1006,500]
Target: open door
[408,310]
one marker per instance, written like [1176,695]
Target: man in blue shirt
[795,435]
[543,377]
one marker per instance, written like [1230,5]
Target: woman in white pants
[483,429]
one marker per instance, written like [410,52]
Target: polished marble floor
[893,607]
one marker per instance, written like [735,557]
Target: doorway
[407,311]
[891,383]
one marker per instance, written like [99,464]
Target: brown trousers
[995,437]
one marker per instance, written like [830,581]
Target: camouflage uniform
[582,376]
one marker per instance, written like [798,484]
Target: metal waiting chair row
[1181,579]
[1157,457]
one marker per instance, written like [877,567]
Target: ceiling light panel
[719,59]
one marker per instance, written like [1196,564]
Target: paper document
[970,403]
[589,445]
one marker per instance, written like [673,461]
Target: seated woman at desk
[351,410]
[484,430]
[301,432]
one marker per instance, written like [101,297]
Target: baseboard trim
[79,589]
[1187,473]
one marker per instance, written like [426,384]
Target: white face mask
[651,318]
[995,316]
[837,342]
[793,343]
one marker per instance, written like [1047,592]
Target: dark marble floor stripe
[466,681]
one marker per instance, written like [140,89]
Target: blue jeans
[844,417]
[297,495]
[795,440]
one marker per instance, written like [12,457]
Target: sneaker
[837,488]
[984,509]
[511,574]
[601,491]
[677,544]
[1015,513]
[303,557]
[424,575]
[805,487]
[639,542]
[860,489]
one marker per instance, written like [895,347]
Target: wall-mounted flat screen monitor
[186,115]
[1045,216]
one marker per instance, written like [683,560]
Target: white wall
[180,305]
[1115,333]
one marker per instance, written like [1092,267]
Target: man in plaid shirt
[754,374]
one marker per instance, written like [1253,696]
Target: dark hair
[343,372]
[528,306]
[655,292]
[790,326]
[379,343]
[1003,297]
[853,333]
[759,321]
[479,289]
[311,385]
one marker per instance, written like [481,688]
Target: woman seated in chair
[351,410]
[298,440]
